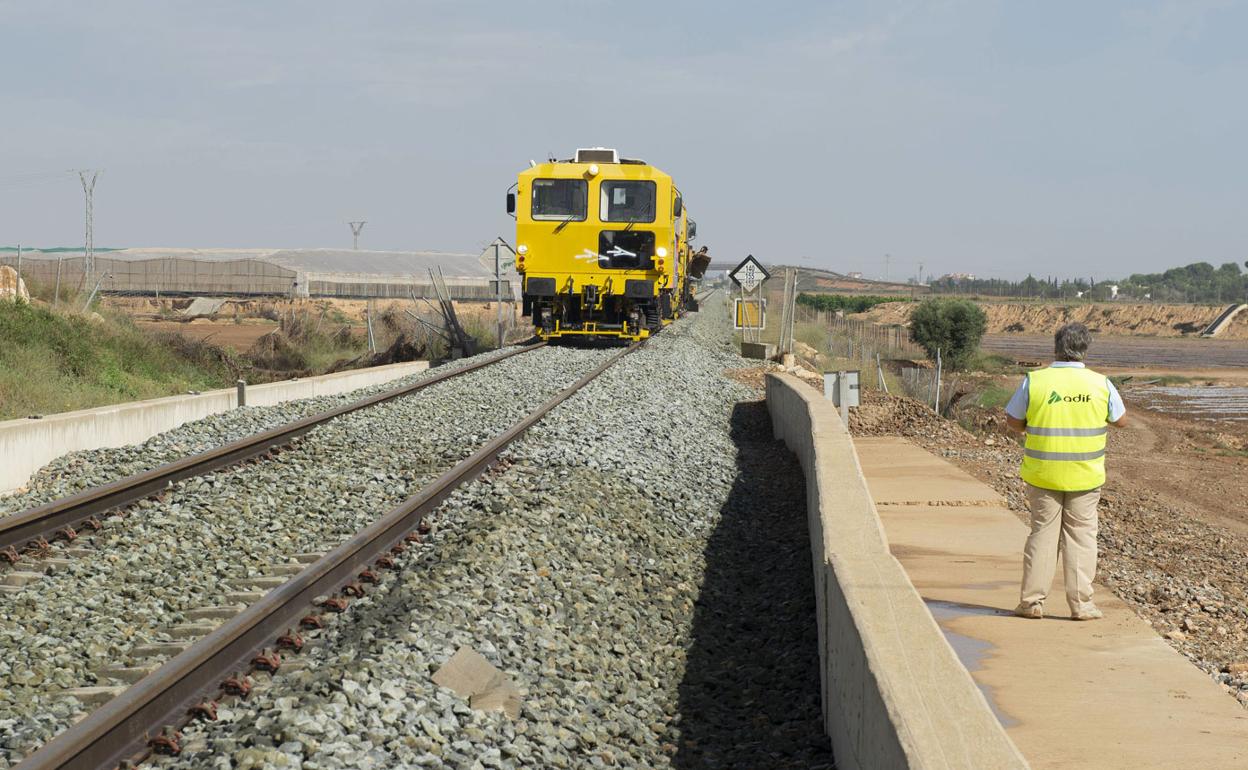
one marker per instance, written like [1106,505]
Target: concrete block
[130,674]
[266,582]
[243,597]
[94,696]
[285,569]
[895,694]
[159,649]
[213,613]
[191,631]
[764,351]
[18,579]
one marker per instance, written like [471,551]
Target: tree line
[848,303]
[1197,282]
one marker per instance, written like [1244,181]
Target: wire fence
[886,358]
[239,277]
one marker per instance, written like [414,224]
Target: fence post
[936,401]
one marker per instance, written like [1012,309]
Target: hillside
[1152,320]
[55,362]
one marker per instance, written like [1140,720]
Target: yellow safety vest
[1067,423]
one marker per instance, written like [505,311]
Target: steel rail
[46,520]
[118,730]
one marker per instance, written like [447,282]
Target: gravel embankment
[638,566]
[87,468]
[170,556]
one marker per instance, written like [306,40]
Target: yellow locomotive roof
[563,169]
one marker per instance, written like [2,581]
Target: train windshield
[627,201]
[560,199]
[625,249]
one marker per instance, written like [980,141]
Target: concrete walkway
[1101,694]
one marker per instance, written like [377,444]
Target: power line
[356,227]
[20,180]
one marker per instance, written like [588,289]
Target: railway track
[31,530]
[140,590]
[164,700]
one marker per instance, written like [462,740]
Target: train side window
[560,199]
[627,201]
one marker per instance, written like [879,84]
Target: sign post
[751,307]
[499,263]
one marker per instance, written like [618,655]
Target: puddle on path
[970,651]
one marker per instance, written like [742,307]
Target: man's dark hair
[1071,342]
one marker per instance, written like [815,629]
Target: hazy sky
[992,137]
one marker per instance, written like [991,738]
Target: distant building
[958,277]
[854,275]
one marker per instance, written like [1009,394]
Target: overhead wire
[21,180]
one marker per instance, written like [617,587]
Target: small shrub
[952,326]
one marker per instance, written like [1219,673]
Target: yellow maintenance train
[602,247]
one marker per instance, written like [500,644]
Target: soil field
[1104,319]
[1128,352]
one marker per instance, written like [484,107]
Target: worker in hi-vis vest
[1065,410]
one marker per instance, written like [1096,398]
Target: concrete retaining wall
[894,693]
[27,445]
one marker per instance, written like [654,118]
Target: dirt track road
[1129,352]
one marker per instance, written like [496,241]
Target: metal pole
[498,292]
[936,404]
[368,320]
[842,393]
[91,298]
[19,264]
[879,370]
[56,293]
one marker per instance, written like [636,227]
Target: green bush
[848,303]
[952,326]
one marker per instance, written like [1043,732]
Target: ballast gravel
[638,566]
[146,569]
[88,468]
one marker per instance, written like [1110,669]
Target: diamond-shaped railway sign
[749,274]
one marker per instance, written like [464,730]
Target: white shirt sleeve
[1020,401]
[1116,407]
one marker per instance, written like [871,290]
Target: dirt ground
[1110,319]
[239,322]
[226,334]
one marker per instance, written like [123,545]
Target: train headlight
[522,249]
[662,252]
[593,169]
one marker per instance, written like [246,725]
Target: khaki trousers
[1065,522]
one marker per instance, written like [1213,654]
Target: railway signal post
[751,307]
